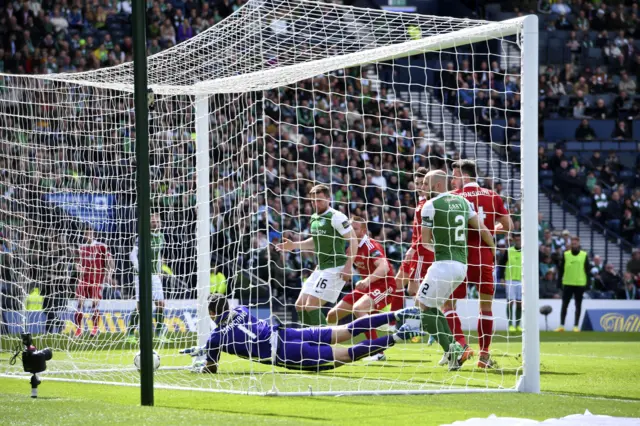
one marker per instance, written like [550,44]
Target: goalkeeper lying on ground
[310,349]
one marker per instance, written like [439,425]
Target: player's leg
[81,293]
[518,303]
[134,316]
[510,290]
[363,307]
[158,297]
[416,277]
[578,293]
[96,295]
[449,311]
[343,308]
[486,290]
[442,278]
[309,305]
[325,289]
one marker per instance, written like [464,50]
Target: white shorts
[156,288]
[442,278]
[324,284]
[514,290]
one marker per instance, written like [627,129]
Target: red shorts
[460,292]
[480,270]
[89,290]
[380,292]
[397,300]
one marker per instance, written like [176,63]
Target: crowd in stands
[606,281]
[370,175]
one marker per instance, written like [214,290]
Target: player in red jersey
[377,288]
[95,267]
[418,258]
[491,211]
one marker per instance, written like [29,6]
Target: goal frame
[526,29]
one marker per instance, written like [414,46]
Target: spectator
[600,203]
[621,131]
[585,132]
[608,284]
[633,265]
[629,228]
[614,212]
[582,23]
[596,162]
[581,88]
[629,290]
[596,267]
[548,286]
[599,110]
[627,84]
[579,111]
[560,8]
[556,86]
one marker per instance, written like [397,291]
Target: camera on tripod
[34,361]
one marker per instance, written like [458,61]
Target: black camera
[34,361]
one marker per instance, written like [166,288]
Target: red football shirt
[489,207]
[416,237]
[369,251]
[93,260]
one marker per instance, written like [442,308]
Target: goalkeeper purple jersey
[240,333]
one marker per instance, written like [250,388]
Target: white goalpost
[247,117]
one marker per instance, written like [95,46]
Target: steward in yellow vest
[574,274]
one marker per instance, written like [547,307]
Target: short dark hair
[467,167]
[421,172]
[321,189]
[218,304]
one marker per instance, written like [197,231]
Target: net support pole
[203,252]
[143,198]
[529,168]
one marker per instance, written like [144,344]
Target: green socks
[133,322]
[509,313]
[518,314]
[312,318]
[435,323]
[159,320]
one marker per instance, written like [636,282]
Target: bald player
[445,220]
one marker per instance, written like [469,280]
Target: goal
[244,119]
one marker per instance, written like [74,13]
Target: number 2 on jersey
[461,235]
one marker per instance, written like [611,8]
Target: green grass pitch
[580,371]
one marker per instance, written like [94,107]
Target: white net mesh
[291,105]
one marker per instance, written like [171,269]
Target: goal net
[245,119]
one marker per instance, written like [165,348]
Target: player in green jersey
[445,220]
[330,234]
[157,294]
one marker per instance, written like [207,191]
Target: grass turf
[594,371]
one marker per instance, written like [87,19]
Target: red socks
[95,317]
[456,326]
[485,331]
[371,335]
[77,319]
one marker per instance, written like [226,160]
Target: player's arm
[504,224]
[486,236]
[352,251]
[342,225]
[287,245]
[382,268]
[428,214]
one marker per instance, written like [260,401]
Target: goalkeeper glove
[194,351]
[198,366]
